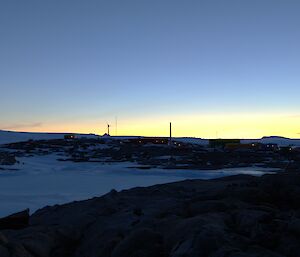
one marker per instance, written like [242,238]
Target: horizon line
[202,138]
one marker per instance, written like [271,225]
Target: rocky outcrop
[238,216]
[15,221]
[7,158]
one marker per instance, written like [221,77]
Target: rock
[18,250]
[39,244]
[138,212]
[289,246]
[237,216]
[294,226]
[17,220]
[4,252]
[7,158]
[248,222]
[142,242]
[3,239]
[197,208]
[198,236]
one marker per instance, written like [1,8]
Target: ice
[43,180]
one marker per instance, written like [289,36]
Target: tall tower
[108,129]
[170,139]
[116,126]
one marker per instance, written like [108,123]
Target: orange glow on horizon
[204,126]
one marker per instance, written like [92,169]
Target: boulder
[17,220]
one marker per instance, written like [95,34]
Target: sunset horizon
[213,69]
[149,128]
[200,126]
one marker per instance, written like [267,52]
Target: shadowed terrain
[152,153]
[238,216]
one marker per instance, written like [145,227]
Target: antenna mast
[170,140]
[116,125]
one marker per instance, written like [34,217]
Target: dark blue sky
[74,65]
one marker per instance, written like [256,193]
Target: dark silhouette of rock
[237,216]
[15,221]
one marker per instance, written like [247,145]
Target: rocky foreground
[238,216]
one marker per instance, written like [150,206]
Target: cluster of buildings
[236,144]
[219,144]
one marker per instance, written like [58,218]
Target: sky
[214,68]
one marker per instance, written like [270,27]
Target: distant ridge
[276,137]
[7,137]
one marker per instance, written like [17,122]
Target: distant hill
[7,137]
[281,141]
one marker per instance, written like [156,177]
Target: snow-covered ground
[42,180]
[280,141]
[7,137]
